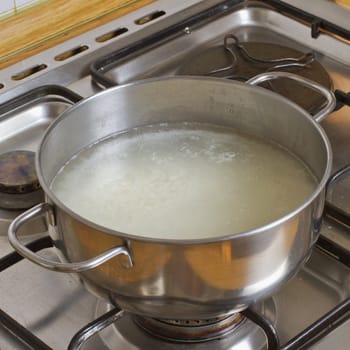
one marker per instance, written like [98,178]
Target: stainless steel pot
[182,279]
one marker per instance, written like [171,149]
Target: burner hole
[150,17]
[2,86]
[70,53]
[30,71]
[110,35]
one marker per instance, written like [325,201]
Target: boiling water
[184,181]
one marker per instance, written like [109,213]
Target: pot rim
[320,187]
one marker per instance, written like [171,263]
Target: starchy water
[183,181]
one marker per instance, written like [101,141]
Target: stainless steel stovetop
[54,306]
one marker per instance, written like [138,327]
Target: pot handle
[331,101]
[89,264]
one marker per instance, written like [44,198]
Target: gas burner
[242,61]
[190,331]
[135,332]
[19,185]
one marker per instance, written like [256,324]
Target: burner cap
[19,183]
[17,172]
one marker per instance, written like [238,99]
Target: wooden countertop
[49,23]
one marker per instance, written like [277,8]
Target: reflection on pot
[86,242]
[235,264]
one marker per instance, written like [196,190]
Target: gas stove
[234,39]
